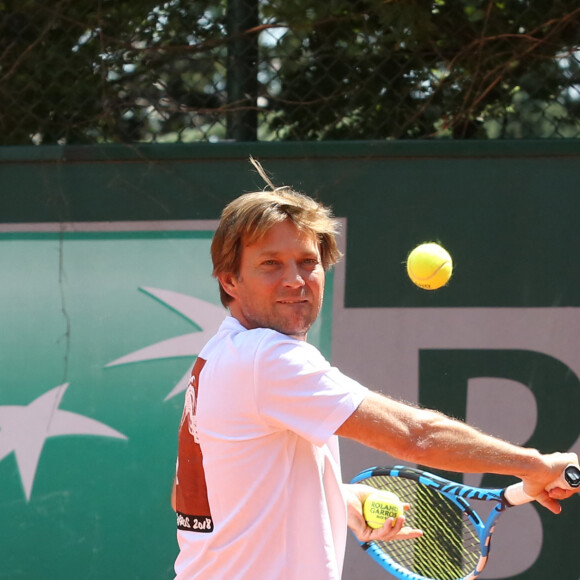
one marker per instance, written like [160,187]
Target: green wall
[106,298]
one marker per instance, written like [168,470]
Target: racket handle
[569,479]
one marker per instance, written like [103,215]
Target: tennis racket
[456,539]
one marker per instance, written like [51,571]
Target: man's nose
[292,276]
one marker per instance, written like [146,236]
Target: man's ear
[229,283]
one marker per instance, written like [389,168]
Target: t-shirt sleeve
[297,389]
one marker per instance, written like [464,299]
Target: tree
[371,69]
[114,70]
[147,70]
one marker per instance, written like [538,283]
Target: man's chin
[296,330]
[296,326]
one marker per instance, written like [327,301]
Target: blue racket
[456,540]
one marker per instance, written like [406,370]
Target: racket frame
[455,492]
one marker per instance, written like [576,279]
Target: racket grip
[569,479]
[515,494]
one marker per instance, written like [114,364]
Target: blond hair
[247,219]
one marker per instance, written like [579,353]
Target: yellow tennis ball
[379,506]
[429,266]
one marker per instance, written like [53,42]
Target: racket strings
[449,548]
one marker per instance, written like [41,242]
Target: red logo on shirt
[192,505]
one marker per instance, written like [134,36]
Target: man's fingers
[549,503]
[395,532]
[408,533]
[559,493]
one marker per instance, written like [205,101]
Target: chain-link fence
[193,70]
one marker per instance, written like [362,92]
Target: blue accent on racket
[456,540]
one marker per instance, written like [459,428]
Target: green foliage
[115,71]
[144,70]
[372,69]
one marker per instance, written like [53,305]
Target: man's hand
[355,495]
[535,484]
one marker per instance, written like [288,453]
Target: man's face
[280,284]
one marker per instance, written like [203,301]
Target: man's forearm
[429,438]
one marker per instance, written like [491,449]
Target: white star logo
[204,315]
[24,429]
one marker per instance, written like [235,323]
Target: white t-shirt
[266,412]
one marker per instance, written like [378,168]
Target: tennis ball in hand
[429,266]
[379,506]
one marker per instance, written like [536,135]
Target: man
[258,493]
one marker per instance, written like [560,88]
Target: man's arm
[432,439]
